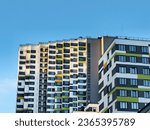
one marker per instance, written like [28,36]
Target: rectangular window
[133,81]
[33,51]
[122,58]
[52,52]
[123,93]
[52,47]
[132,48]
[134,105]
[121,47]
[31,88]
[133,70]
[146,83]
[108,77]
[122,81]
[33,56]
[134,93]
[145,60]
[144,49]
[107,55]
[123,105]
[21,52]
[30,105]
[132,59]
[66,44]
[146,94]
[146,71]
[122,69]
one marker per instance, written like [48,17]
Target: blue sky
[32,21]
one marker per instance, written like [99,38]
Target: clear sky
[32,21]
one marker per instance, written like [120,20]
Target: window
[21,52]
[59,45]
[66,77]
[81,81]
[22,57]
[22,62]
[75,65]
[58,67]
[122,69]
[132,59]
[122,81]
[31,88]
[51,73]
[73,87]
[20,89]
[51,57]
[146,83]
[122,58]
[51,78]
[66,67]
[82,48]
[123,105]
[81,54]
[19,106]
[19,83]
[133,81]
[32,72]
[21,73]
[28,51]
[74,49]
[51,107]
[146,94]
[74,44]
[145,60]
[107,55]
[51,52]
[134,106]
[134,93]
[66,61]
[132,48]
[82,44]
[33,56]
[108,77]
[33,51]
[59,51]
[80,64]
[74,59]
[80,70]
[75,82]
[82,59]
[66,45]
[51,62]
[133,70]
[30,105]
[51,101]
[59,62]
[66,55]
[144,49]
[74,93]
[52,47]
[66,50]
[73,71]
[123,93]
[146,71]
[121,47]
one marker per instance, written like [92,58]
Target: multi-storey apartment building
[58,77]
[124,75]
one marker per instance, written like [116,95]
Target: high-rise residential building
[58,77]
[124,75]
